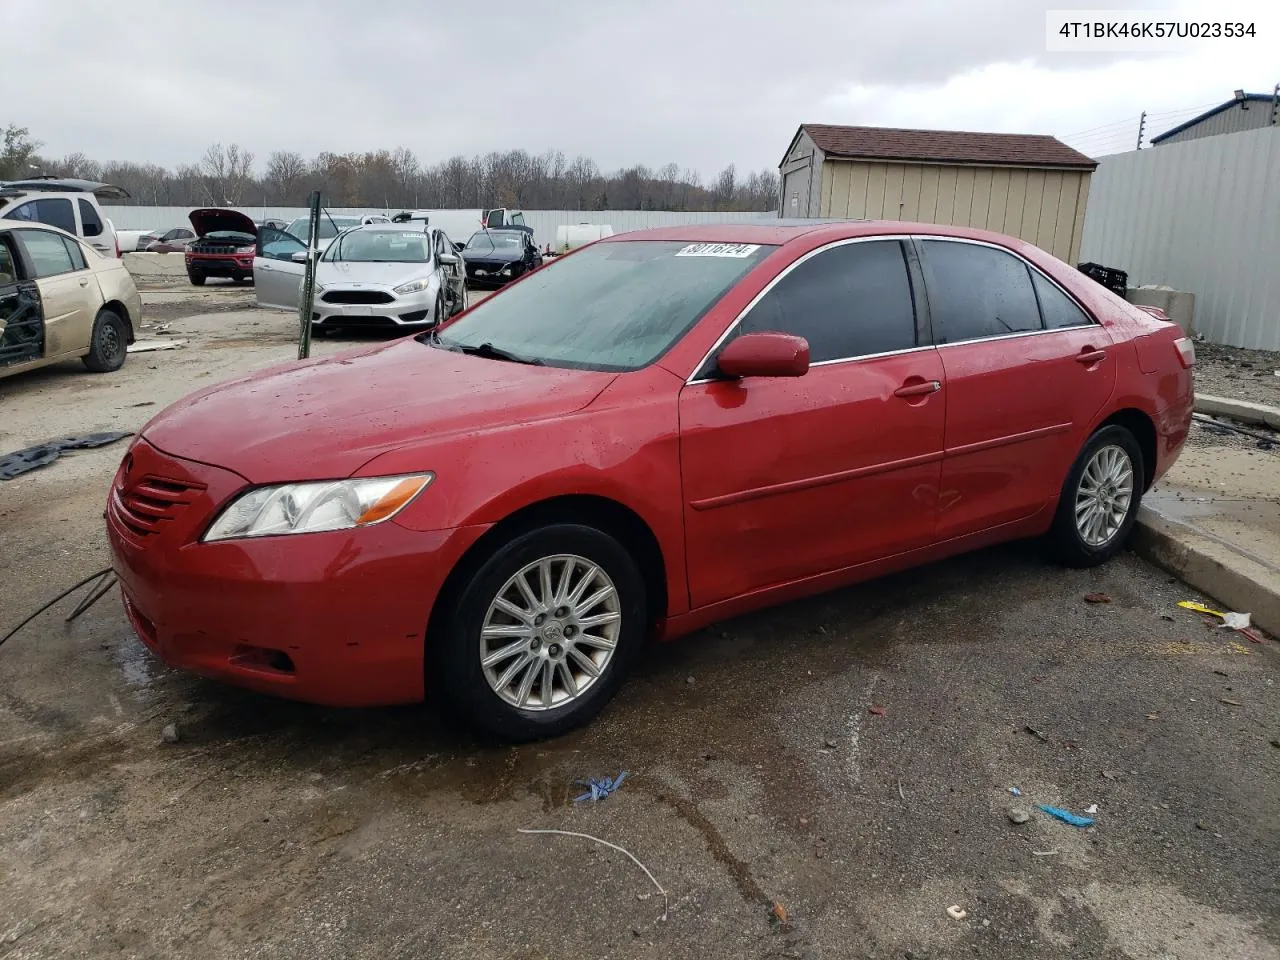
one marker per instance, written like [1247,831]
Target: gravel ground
[781,815]
[1240,374]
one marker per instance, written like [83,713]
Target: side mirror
[299,257]
[765,355]
[448,259]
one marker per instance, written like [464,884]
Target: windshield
[380,246]
[488,240]
[329,227]
[611,306]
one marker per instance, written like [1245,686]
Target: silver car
[375,275]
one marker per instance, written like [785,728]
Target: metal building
[1031,187]
[1244,111]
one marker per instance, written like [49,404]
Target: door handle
[918,389]
[84,283]
[1090,355]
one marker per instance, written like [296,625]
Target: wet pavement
[780,815]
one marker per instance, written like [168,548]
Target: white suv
[70,205]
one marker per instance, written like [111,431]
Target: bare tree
[285,170]
[17,153]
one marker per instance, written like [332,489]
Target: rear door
[68,290]
[790,478]
[1027,373]
[94,230]
[277,277]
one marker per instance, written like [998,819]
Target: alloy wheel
[550,633]
[1104,495]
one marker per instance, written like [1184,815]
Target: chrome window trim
[1093,321]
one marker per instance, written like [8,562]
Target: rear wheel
[543,635]
[438,315]
[109,343]
[197,279]
[1099,501]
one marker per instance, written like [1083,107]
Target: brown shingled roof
[945,146]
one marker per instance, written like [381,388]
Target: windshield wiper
[489,351]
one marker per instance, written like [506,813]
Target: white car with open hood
[385,275]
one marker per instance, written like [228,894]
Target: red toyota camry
[657,431]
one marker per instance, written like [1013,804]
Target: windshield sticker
[736,250]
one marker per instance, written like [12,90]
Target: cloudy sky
[698,82]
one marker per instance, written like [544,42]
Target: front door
[789,478]
[1027,374]
[21,320]
[277,277]
[68,290]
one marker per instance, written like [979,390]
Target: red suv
[227,240]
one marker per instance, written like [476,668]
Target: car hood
[324,419]
[346,273]
[220,218]
[491,255]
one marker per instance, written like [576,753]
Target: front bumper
[220,266]
[336,618]
[407,310]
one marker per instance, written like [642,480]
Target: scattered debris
[149,346]
[1015,791]
[1066,816]
[1018,815]
[986,922]
[1096,598]
[94,594]
[1222,673]
[876,711]
[803,821]
[1276,744]
[1230,621]
[1045,853]
[146,403]
[1092,808]
[779,912]
[611,846]
[690,680]
[21,461]
[1201,825]
[1109,775]
[829,744]
[956,912]
[599,789]
[1154,716]
[1036,733]
[1230,703]
[900,793]
[170,734]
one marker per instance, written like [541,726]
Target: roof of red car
[778,232]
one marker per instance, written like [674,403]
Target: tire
[319,332]
[197,279]
[438,315]
[454,654]
[108,344]
[1109,461]
[462,302]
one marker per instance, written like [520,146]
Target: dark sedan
[495,257]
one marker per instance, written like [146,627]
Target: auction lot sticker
[737,250]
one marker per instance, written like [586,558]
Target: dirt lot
[1252,375]
[757,772]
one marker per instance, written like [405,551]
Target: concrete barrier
[155,264]
[1241,410]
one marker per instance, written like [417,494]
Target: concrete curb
[1241,410]
[1235,579]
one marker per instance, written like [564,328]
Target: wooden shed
[1029,186]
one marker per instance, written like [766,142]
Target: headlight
[312,507]
[244,250]
[414,286]
[506,271]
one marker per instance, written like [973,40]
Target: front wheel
[543,635]
[1099,501]
[108,343]
[197,279]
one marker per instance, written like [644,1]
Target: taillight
[1186,352]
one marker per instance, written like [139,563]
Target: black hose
[64,593]
[1205,418]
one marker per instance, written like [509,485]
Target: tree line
[229,176]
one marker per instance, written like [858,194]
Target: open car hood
[208,220]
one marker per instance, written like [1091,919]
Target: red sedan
[655,432]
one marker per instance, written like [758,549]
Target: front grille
[214,248]
[143,507]
[356,296]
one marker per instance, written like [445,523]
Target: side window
[89,218]
[853,300]
[8,262]
[55,211]
[518,219]
[495,219]
[49,255]
[1058,309]
[76,254]
[977,292]
[278,245]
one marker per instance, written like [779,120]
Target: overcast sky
[697,82]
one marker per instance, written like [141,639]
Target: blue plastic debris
[1015,791]
[599,789]
[1066,816]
